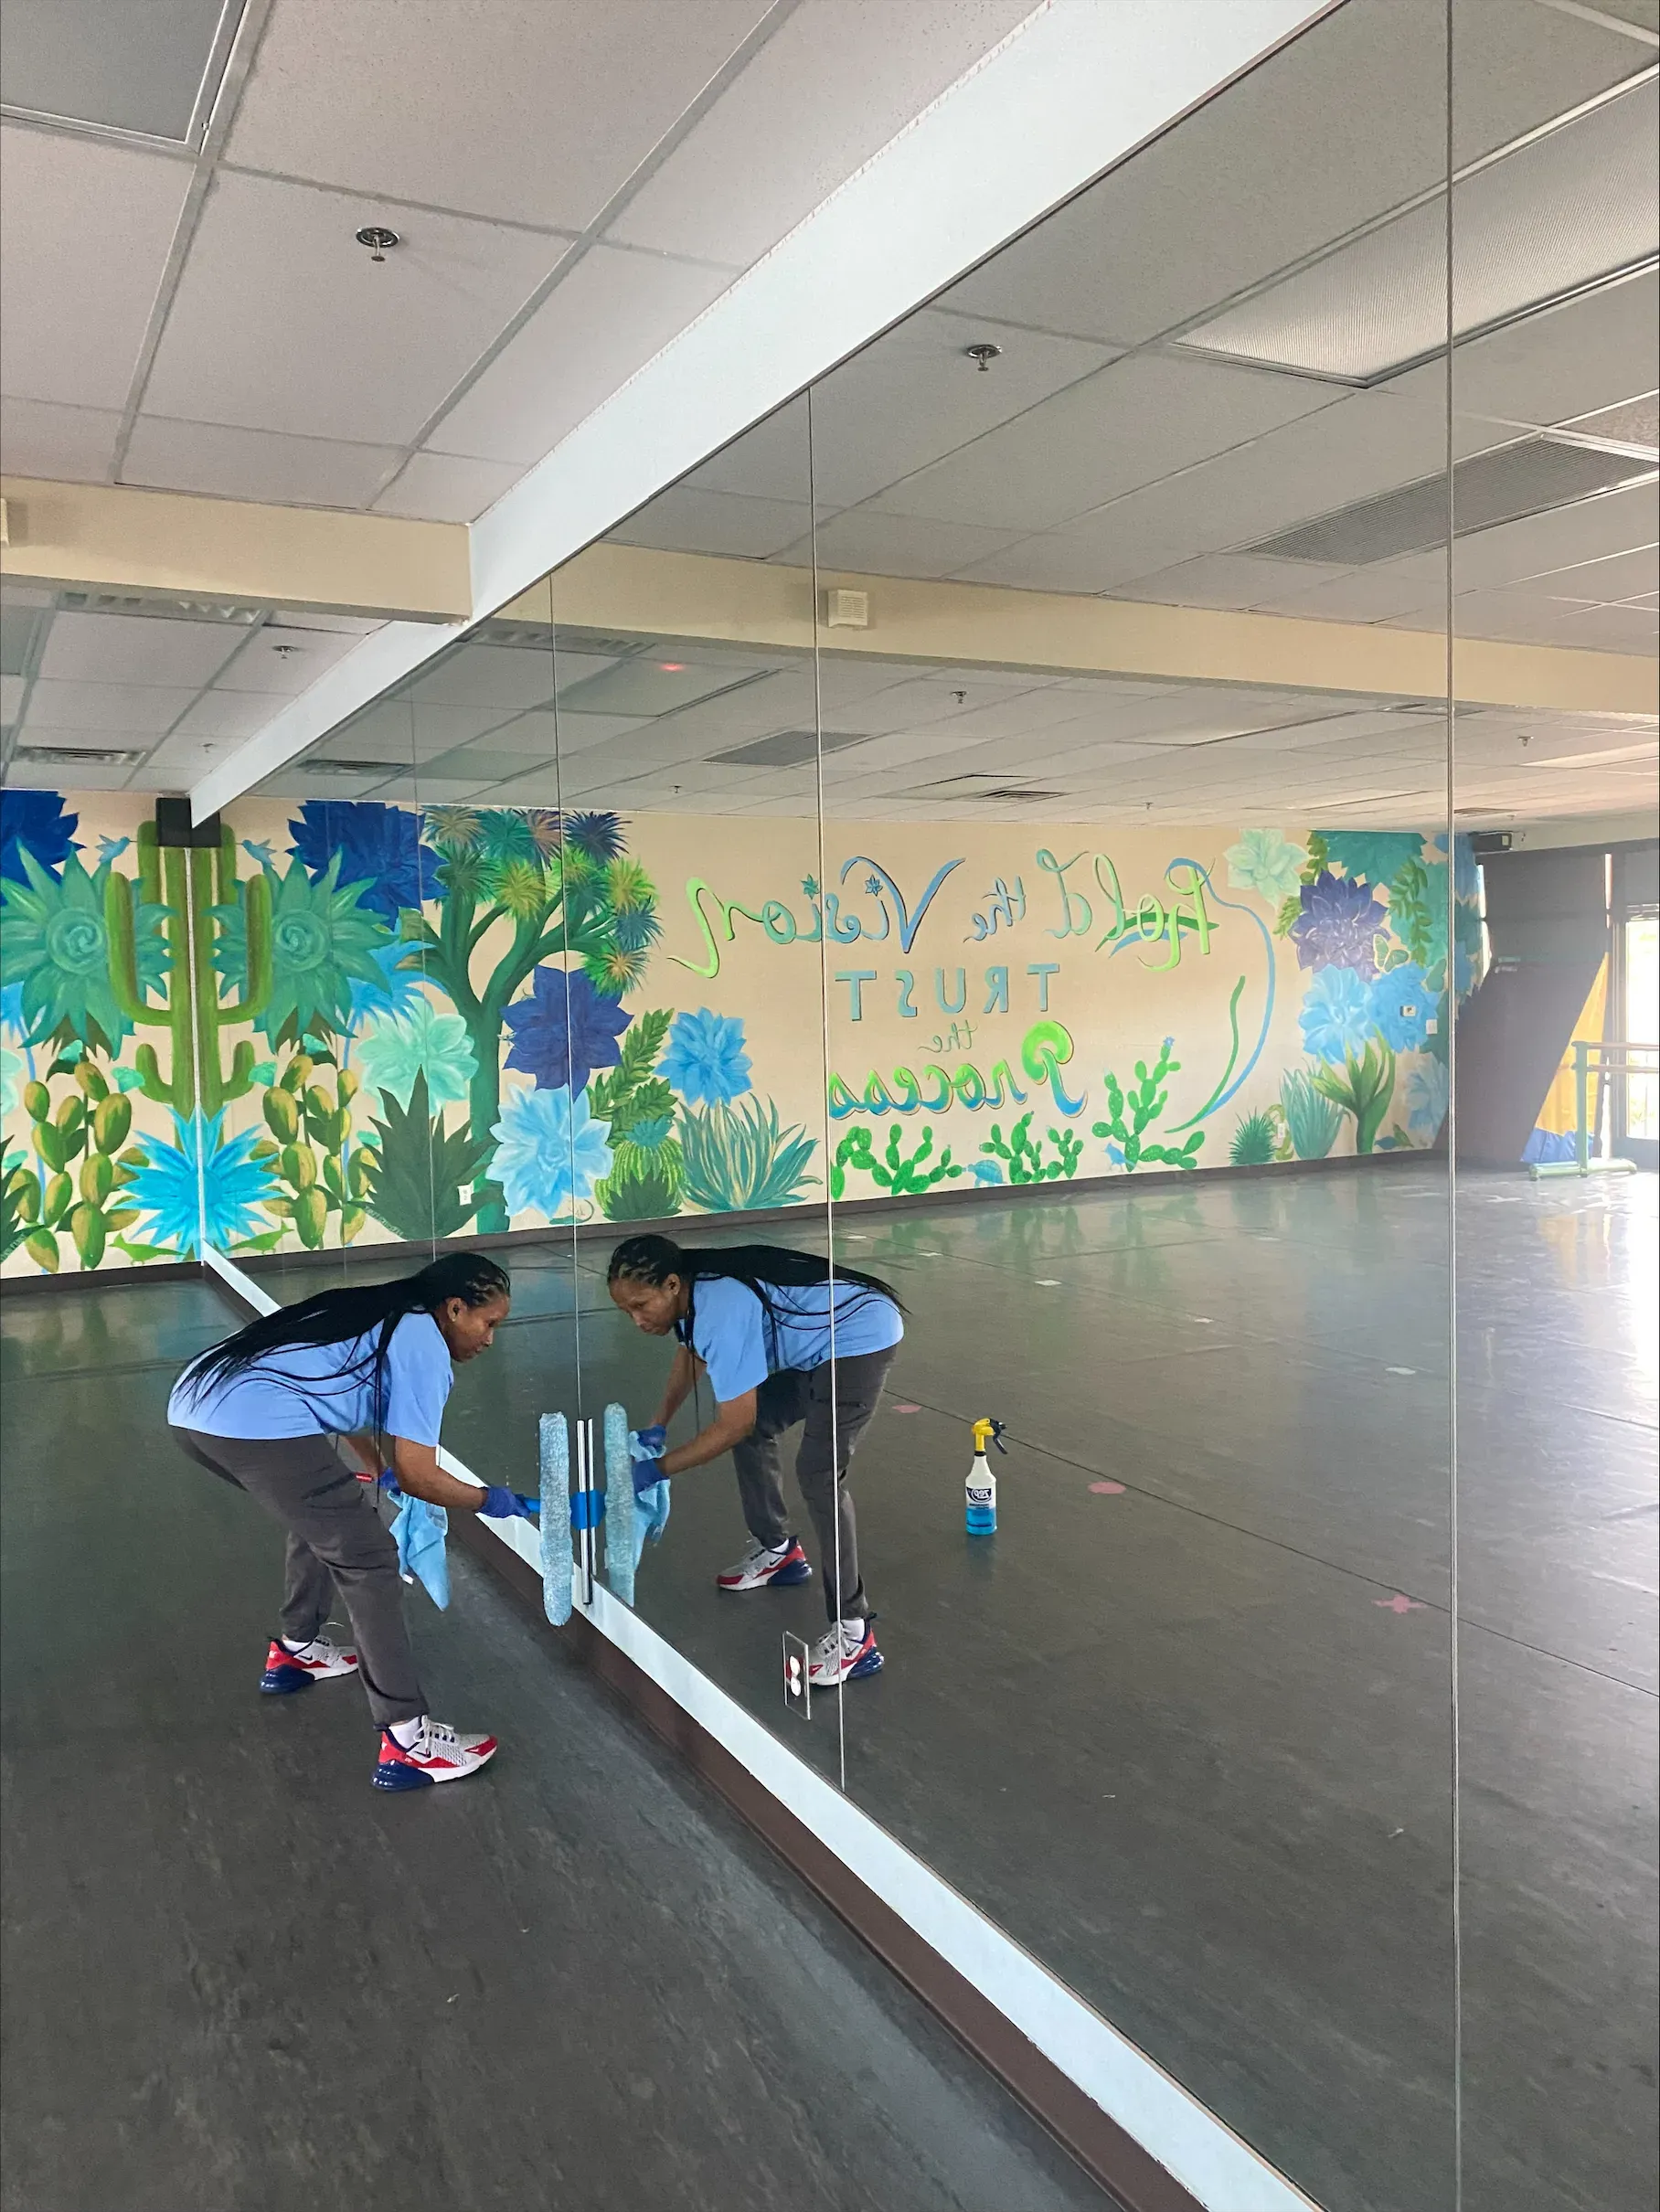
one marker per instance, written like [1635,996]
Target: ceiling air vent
[1014,794]
[352,768]
[984,786]
[76,756]
[1518,480]
[789,747]
[168,610]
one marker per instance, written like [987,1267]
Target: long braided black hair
[760,1268]
[338,1316]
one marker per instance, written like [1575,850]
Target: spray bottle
[979,1490]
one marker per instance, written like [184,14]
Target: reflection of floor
[239,1980]
[1190,1741]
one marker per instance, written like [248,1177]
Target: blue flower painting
[1374,855]
[1337,1016]
[564,1030]
[1267,862]
[706,1061]
[398,990]
[36,822]
[1403,1005]
[234,1186]
[378,847]
[595,836]
[550,1151]
[1429,1092]
[422,1042]
[1339,925]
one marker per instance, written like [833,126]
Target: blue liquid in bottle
[980,1500]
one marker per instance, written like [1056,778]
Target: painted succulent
[1339,925]
[564,1030]
[322,941]
[35,821]
[54,942]
[376,850]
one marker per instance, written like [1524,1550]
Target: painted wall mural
[360,1021]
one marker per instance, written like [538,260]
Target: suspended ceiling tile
[1369,595]
[1064,562]
[1621,576]
[446,487]
[1594,529]
[1559,212]
[1575,360]
[23,774]
[282,322]
[85,230]
[534,110]
[914,704]
[254,465]
[835,82]
[502,676]
[140,708]
[300,783]
[605,319]
[1221,580]
[1361,445]
[770,461]
[68,444]
[189,756]
[139,649]
[864,541]
[545,737]
[278,658]
[1129,424]
[915,395]
[1214,205]
[1609,630]
[231,714]
[687,519]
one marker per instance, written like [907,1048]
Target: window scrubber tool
[623,1536]
[555,1447]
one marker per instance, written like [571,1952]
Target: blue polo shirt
[328,1389]
[740,1346]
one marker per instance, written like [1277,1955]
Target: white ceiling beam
[1080,85]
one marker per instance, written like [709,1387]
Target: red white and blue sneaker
[318,1660]
[438,1754]
[764,1567]
[843,1653]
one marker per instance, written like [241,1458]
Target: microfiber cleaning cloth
[419,1533]
[632,1517]
[555,1443]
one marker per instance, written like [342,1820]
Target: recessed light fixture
[379,239]
[672,667]
[983,354]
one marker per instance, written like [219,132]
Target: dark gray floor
[237,1979]
[1191,1740]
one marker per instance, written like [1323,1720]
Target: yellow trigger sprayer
[980,1491]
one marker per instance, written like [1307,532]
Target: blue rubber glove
[503,1504]
[648,1443]
[646,1472]
[388,1485]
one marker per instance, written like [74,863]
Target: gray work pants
[336,1542]
[839,1397]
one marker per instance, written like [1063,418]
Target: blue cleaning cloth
[419,1533]
[650,1499]
[651,1515]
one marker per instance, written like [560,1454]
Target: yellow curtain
[1560,1110]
